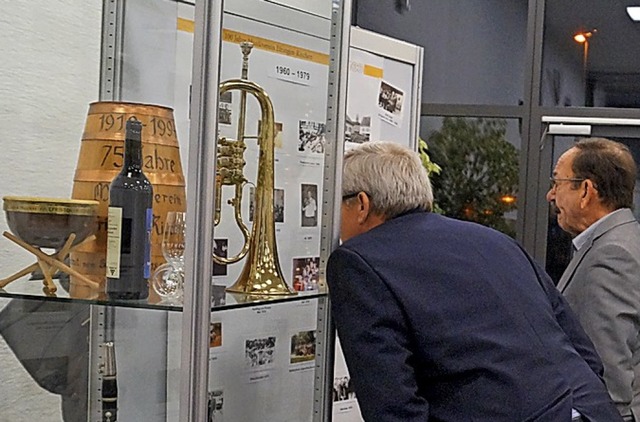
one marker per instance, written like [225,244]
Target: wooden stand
[49,264]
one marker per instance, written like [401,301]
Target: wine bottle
[129,223]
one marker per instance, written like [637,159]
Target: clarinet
[109,384]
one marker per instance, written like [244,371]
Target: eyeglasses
[349,196]
[353,195]
[554,181]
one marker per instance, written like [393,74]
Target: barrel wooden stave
[100,160]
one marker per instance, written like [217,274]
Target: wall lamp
[582,37]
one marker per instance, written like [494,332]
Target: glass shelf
[33,289]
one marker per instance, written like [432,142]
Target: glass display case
[244,331]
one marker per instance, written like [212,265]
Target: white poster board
[383,91]
[293,69]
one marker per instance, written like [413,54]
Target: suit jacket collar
[623,217]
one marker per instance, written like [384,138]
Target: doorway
[559,135]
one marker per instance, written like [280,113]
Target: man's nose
[551,195]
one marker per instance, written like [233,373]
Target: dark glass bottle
[129,223]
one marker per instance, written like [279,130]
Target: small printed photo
[390,98]
[259,352]
[215,334]
[306,273]
[215,405]
[277,136]
[221,249]
[224,108]
[218,295]
[277,141]
[358,130]
[309,205]
[278,204]
[311,136]
[343,389]
[303,347]
[252,201]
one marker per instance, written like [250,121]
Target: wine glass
[173,238]
[168,279]
[167,282]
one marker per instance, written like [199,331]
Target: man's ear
[589,193]
[364,207]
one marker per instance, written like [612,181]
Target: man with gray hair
[592,194]
[444,320]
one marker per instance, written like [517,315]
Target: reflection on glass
[479,177]
[558,241]
[589,55]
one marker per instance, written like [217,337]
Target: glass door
[560,133]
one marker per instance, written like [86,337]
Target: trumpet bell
[264,279]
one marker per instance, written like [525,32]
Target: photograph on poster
[343,389]
[311,136]
[214,405]
[278,204]
[224,108]
[218,294]
[357,130]
[252,194]
[390,98]
[277,135]
[221,249]
[259,352]
[215,334]
[306,273]
[309,205]
[303,347]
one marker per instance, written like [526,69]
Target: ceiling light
[634,13]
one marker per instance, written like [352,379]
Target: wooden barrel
[100,160]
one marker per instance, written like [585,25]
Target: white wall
[48,76]
[49,72]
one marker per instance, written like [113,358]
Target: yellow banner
[373,71]
[186,25]
[263,44]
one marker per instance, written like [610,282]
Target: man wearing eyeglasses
[444,320]
[592,194]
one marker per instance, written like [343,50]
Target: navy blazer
[444,320]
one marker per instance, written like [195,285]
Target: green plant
[432,168]
[479,177]
[423,149]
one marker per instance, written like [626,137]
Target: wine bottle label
[114,239]
[147,243]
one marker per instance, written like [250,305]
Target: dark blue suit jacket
[444,320]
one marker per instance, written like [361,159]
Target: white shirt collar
[582,238]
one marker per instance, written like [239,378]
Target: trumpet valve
[231,162]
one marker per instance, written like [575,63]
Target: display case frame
[197,308]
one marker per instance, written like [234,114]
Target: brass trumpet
[261,274]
